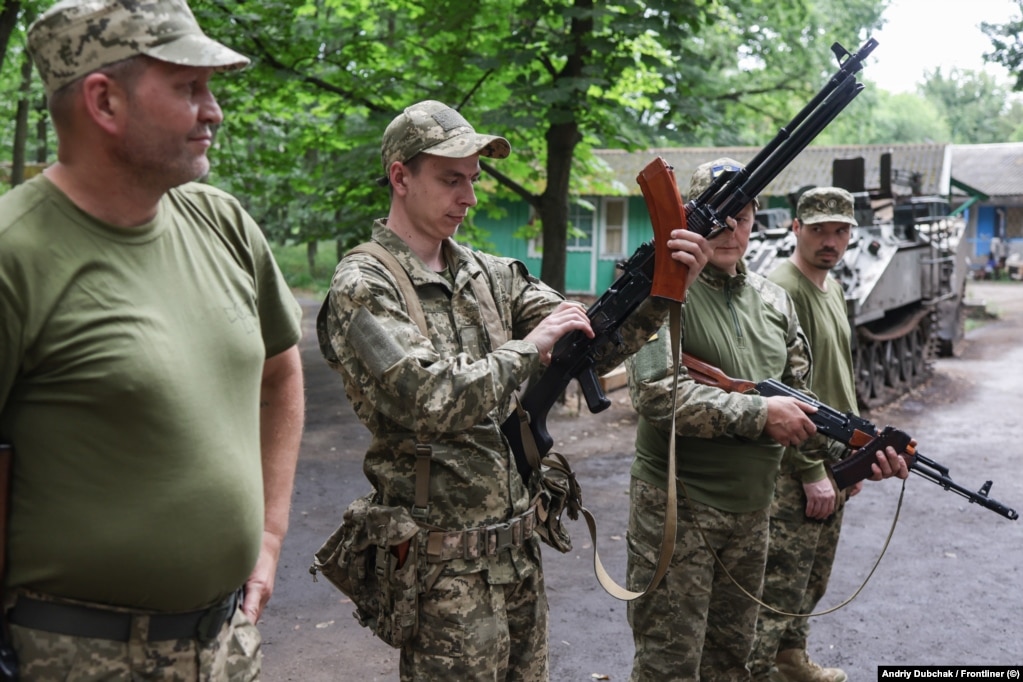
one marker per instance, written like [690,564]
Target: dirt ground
[949,589]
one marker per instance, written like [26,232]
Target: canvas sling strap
[492,322]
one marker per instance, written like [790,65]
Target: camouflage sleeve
[531,300]
[392,369]
[809,458]
[641,325]
[701,411]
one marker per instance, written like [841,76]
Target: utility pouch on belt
[556,491]
[358,560]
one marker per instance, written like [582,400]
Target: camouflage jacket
[451,390]
[748,327]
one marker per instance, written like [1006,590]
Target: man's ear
[398,174]
[105,101]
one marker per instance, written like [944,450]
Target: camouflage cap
[75,37]
[436,128]
[708,172]
[826,205]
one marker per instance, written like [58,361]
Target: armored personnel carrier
[904,276]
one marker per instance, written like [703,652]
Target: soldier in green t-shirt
[150,380]
[806,514]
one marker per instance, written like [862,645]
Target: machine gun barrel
[575,356]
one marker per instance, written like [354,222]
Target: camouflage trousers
[234,656]
[697,625]
[472,630]
[799,562]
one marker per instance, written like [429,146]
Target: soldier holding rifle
[698,623]
[482,611]
[804,537]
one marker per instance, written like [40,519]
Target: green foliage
[879,117]
[293,259]
[1007,44]
[300,141]
[972,102]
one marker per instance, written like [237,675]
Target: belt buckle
[503,536]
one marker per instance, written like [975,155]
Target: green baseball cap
[76,37]
[435,128]
[826,205]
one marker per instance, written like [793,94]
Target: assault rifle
[852,430]
[651,270]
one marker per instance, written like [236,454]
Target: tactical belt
[483,541]
[80,620]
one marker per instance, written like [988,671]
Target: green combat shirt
[824,317]
[451,390]
[131,362]
[747,327]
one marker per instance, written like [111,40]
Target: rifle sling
[670,507]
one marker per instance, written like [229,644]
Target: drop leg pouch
[358,559]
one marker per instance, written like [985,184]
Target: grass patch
[294,263]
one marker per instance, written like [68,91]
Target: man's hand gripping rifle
[852,430]
[651,270]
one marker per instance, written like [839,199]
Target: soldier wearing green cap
[481,609]
[806,514]
[697,625]
[150,380]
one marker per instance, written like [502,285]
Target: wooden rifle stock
[664,203]
[709,375]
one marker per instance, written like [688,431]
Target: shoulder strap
[415,311]
[491,320]
[401,277]
[484,297]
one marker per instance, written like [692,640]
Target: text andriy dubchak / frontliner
[962,673]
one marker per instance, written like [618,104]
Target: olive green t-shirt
[130,372]
[824,318]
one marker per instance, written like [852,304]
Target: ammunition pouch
[555,490]
[361,558]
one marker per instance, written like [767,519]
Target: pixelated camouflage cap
[708,172]
[435,128]
[826,205]
[75,37]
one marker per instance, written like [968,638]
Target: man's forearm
[282,413]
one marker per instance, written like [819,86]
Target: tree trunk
[561,142]
[21,125]
[8,20]
[562,138]
[310,255]
[42,127]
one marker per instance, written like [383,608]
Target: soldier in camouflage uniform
[697,624]
[484,617]
[150,380]
[804,536]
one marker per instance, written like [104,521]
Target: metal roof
[995,169]
[813,166]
